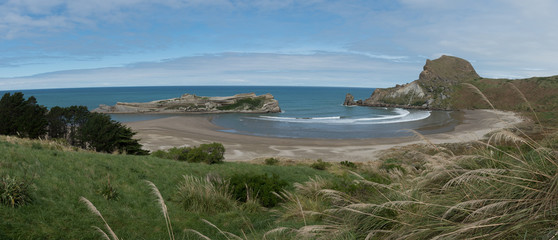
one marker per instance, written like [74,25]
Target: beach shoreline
[193,130]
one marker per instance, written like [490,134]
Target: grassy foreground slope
[59,178]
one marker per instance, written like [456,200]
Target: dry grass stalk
[312,187]
[490,209]
[279,230]
[505,135]
[425,139]
[164,209]
[526,101]
[105,236]
[94,210]
[470,227]
[375,216]
[197,233]
[478,91]
[225,234]
[373,233]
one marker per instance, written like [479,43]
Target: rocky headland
[435,88]
[190,103]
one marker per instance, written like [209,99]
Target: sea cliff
[190,103]
[436,86]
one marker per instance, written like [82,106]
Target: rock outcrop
[434,89]
[189,103]
[349,100]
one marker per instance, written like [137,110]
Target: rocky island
[190,103]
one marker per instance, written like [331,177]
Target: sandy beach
[192,130]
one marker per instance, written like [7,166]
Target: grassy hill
[513,95]
[59,177]
[504,188]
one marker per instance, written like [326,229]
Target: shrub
[175,153]
[271,161]
[348,164]
[211,194]
[108,191]
[207,153]
[14,192]
[320,165]
[261,186]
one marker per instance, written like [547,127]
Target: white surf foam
[401,115]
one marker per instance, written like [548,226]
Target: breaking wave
[400,115]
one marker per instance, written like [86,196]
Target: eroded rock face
[433,90]
[349,100]
[190,103]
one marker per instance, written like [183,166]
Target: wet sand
[193,130]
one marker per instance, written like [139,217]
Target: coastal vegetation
[207,153]
[499,188]
[58,176]
[76,125]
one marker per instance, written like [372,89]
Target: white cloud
[384,41]
[501,36]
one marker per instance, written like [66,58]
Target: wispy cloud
[322,69]
[270,42]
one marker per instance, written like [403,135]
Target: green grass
[59,178]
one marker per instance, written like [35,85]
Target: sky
[352,43]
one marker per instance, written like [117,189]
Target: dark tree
[102,134]
[24,118]
[33,123]
[81,128]
[57,123]
[76,116]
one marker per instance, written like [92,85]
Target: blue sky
[83,43]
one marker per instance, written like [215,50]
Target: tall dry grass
[211,194]
[506,189]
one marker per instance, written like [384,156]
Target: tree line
[76,125]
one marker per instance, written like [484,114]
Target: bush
[207,153]
[271,161]
[348,164]
[108,191]
[14,192]
[261,186]
[320,165]
[180,154]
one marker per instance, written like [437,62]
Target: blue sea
[307,112]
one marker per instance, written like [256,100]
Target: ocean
[307,112]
